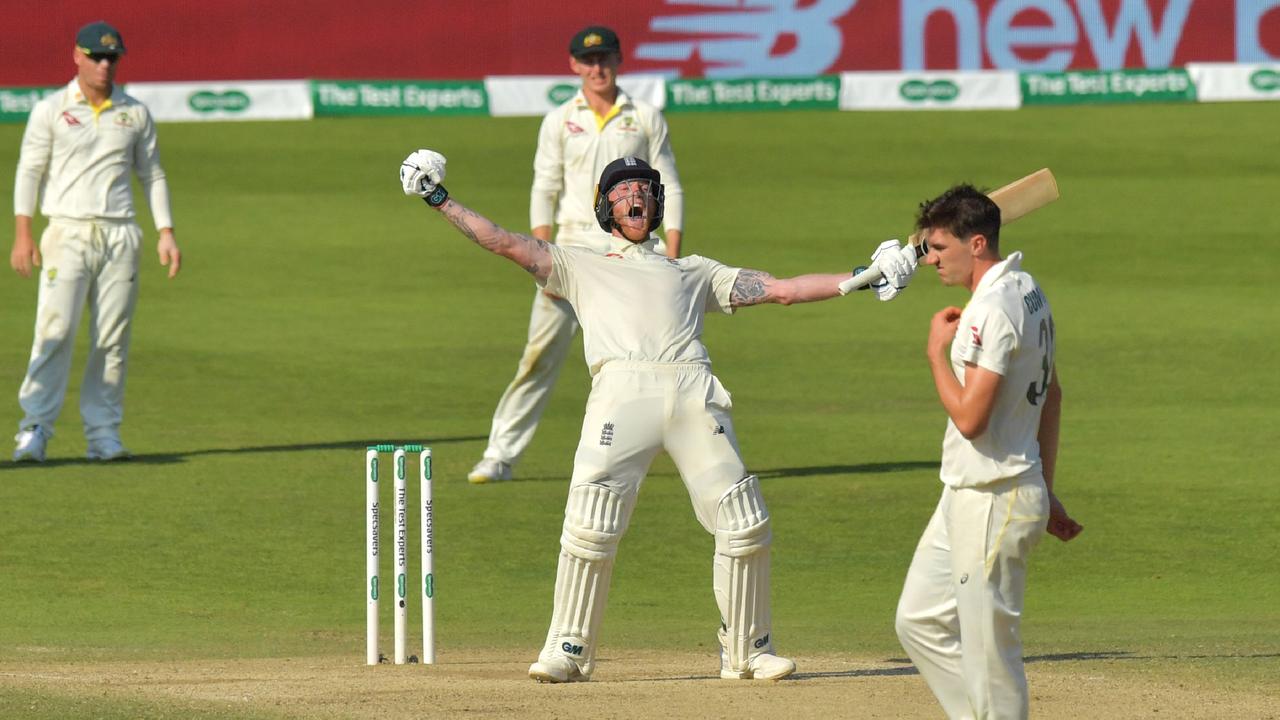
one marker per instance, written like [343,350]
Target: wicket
[372,545]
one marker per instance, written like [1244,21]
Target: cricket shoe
[489,470]
[761,666]
[558,669]
[30,445]
[108,449]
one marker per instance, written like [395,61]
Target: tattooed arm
[754,287]
[528,252]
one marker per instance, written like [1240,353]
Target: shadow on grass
[181,456]
[906,668]
[862,469]
[792,472]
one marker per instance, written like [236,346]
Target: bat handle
[862,280]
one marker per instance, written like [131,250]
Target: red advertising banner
[458,39]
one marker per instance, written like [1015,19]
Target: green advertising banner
[16,103]
[1107,86]
[801,93]
[345,97]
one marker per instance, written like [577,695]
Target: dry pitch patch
[641,684]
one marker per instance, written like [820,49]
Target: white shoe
[761,666]
[108,449]
[556,670]
[30,445]
[489,470]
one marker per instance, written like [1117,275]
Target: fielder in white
[993,367]
[652,389]
[597,125]
[79,148]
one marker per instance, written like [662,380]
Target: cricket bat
[1020,197]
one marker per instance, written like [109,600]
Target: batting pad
[741,573]
[595,518]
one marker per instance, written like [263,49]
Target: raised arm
[756,287]
[421,174]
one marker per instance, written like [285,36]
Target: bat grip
[864,279]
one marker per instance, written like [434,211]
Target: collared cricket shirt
[1006,328]
[78,159]
[613,293]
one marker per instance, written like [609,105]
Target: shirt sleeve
[720,280]
[986,338]
[146,163]
[548,172]
[664,161]
[561,280]
[33,159]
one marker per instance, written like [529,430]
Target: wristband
[437,197]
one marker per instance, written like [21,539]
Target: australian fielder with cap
[79,148]
[598,124]
[652,389]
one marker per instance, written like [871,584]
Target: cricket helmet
[620,171]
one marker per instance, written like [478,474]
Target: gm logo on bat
[943,91]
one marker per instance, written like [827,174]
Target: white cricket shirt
[574,146]
[1006,328]
[78,161]
[635,304]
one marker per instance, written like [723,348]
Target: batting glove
[421,172]
[897,264]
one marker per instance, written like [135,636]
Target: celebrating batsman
[993,367]
[652,389]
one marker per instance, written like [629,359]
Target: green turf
[319,310]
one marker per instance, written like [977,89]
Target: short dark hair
[963,211]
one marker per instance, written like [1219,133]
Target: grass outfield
[319,309]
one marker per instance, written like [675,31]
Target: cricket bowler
[993,368]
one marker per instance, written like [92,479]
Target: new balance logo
[606,435]
[70,119]
[719,430]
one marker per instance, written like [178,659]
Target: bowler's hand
[942,330]
[25,255]
[421,172]
[169,253]
[1061,525]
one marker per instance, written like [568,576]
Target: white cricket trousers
[552,327]
[85,263]
[637,409]
[961,605]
